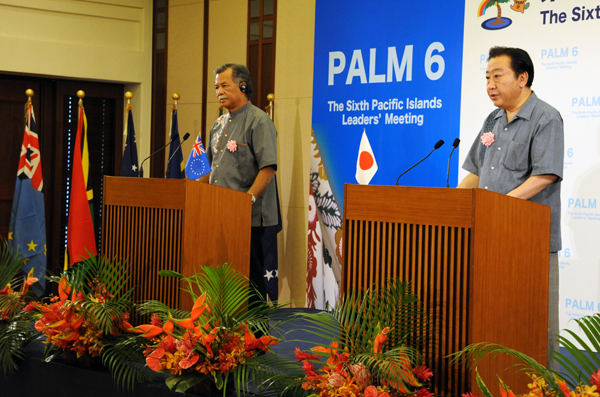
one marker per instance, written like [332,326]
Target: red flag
[80,232]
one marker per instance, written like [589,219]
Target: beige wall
[100,41]
[293,117]
[293,103]
[111,40]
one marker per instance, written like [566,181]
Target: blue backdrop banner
[384,73]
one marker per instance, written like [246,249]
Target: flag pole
[175,99]
[269,107]
[128,96]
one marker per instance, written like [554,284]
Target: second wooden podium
[174,224]
[478,261]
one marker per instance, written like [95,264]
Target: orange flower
[29,282]
[300,355]
[153,359]
[189,361]
[563,387]
[380,340]
[252,342]
[185,323]
[64,289]
[422,372]
[199,307]
[424,393]
[505,390]
[371,391]
[149,331]
[595,379]
[208,339]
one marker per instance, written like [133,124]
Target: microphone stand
[437,146]
[454,146]
[185,137]
[142,165]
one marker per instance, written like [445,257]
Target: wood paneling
[174,224]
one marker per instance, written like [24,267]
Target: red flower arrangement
[366,359]
[339,377]
[192,345]
[68,321]
[215,340]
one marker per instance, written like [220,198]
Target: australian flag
[129,165]
[175,166]
[27,230]
[197,164]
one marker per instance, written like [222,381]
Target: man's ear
[523,78]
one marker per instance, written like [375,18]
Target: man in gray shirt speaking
[242,151]
[519,152]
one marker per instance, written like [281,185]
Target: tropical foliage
[15,329]
[221,339]
[580,374]
[376,337]
[91,307]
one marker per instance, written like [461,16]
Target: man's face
[503,87]
[228,92]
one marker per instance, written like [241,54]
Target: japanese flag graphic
[366,166]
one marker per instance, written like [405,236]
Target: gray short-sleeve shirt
[255,145]
[531,144]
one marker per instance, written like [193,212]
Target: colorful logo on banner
[499,21]
[392,77]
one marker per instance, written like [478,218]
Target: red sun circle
[365,160]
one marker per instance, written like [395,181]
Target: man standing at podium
[242,151]
[519,152]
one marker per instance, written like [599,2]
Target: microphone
[142,165]
[454,146]
[436,147]
[185,137]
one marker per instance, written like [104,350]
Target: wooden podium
[174,224]
[478,261]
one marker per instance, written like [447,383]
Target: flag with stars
[197,163]
[175,168]
[27,230]
[129,165]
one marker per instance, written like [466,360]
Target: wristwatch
[253,198]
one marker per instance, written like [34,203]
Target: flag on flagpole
[129,165]
[366,166]
[81,240]
[27,229]
[197,163]
[176,167]
[85,165]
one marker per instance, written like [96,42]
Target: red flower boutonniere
[487,139]
[232,146]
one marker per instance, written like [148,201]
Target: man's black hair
[520,61]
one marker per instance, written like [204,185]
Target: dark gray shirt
[531,144]
[255,145]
